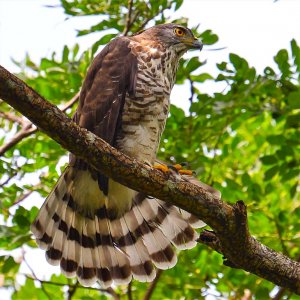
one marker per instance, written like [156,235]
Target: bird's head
[175,36]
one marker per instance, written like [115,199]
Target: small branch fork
[230,234]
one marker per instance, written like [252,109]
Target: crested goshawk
[90,225]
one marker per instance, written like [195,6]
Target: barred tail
[95,245]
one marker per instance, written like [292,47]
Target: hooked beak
[197,44]
[193,43]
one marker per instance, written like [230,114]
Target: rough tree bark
[230,237]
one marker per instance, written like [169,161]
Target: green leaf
[246,179]
[104,40]
[270,173]
[294,100]
[29,291]
[201,77]
[293,121]
[222,66]
[269,159]
[66,52]
[296,55]
[269,71]
[238,62]
[275,139]
[192,65]
[281,59]
[178,4]
[209,38]
[290,174]
[75,51]
[9,264]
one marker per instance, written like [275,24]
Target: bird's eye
[179,32]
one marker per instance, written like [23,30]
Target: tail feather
[104,272]
[141,265]
[175,228]
[160,251]
[134,249]
[95,242]
[191,219]
[120,269]
[86,271]
[70,257]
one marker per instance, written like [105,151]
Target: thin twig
[28,129]
[109,291]
[135,16]
[113,293]
[20,135]
[70,103]
[129,291]
[35,277]
[8,179]
[22,197]
[72,289]
[192,90]
[128,18]
[153,284]
[144,23]
[12,117]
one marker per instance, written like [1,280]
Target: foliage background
[243,141]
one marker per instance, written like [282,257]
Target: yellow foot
[186,172]
[177,167]
[162,168]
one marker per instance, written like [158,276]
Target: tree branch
[229,222]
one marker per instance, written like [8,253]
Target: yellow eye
[179,32]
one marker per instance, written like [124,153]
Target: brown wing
[111,75]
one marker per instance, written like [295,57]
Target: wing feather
[111,76]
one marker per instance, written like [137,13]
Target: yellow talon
[186,172]
[178,167]
[162,168]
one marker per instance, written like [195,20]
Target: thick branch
[228,222]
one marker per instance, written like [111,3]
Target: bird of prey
[90,225]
